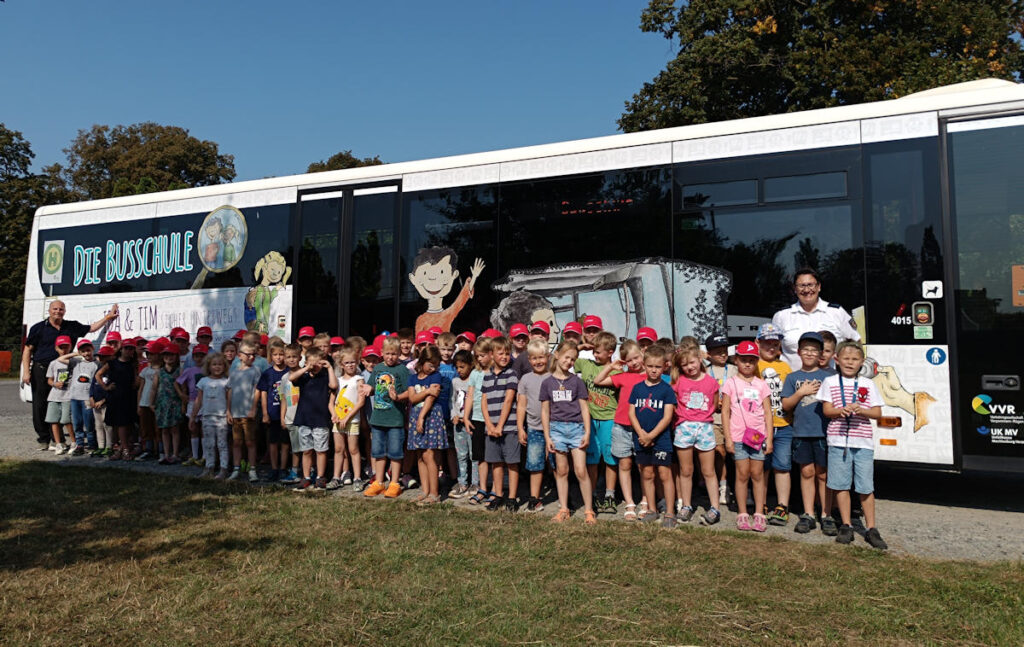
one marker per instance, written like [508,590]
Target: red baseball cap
[83,342]
[155,346]
[201,348]
[468,336]
[181,334]
[264,340]
[647,333]
[424,337]
[238,335]
[490,333]
[337,341]
[306,331]
[113,335]
[435,331]
[204,331]
[105,350]
[541,326]
[747,348]
[572,326]
[175,331]
[378,341]
[592,321]
[63,340]
[139,341]
[518,330]
[129,343]
[371,351]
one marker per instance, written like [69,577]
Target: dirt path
[949,516]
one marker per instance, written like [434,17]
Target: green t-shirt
[602,401]
[386,412]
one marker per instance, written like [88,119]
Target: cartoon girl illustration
[272,274]
[230,252]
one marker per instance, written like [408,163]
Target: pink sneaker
[760,523]
[743,522]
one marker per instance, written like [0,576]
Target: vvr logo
[983,404]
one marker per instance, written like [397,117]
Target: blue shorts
[782,449]
[600,447]
[536,450]
[658,454]
[694,434]
[743,452]
[387,442]
[622,441]
[851,467]
[810,450]
[566,436]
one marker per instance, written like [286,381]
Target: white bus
[912,211]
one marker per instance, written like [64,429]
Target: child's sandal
[760,523]
[743,521]
[630,514]
[563,515]
[479,497]
[590,518]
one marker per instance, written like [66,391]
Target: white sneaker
[253,476]
[53,446]
[679,506]
[723,495]
[62,449]
[235,475]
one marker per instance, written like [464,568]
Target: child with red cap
[58,403]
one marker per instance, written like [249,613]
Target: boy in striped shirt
[850,401]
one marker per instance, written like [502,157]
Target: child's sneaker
[511,504]
[62,449]
[779,516]
[334,484]
[78,451]
[609,505]
[293,477]
[235,475]
[710,517]
[303,485]
[321,484]
[685,514]
[875,539]
[221,475]
[346,478]
[496,503]
[828,527]
[206,473]
[534,505]
[760,523]
[253,476]
[723,495]
[373,489]
[743,521]
[458,491]
[805,524]
[845,535]
[394,491]
[358,485]
[669,521]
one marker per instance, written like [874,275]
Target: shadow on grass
[54,516]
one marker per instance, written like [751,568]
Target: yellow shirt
[774,374]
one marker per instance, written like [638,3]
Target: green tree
[744,58]
[105,162]
[343,160]
[21,192]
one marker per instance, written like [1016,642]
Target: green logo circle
[53,258]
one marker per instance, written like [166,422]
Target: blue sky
[281,84]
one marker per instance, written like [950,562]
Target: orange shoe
[591,518]
[563,515]
[394,490]
[373,489]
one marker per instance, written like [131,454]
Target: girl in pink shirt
[746,411]
[696,393]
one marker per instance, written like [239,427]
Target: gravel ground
[968,516]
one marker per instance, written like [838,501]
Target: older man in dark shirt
[40,350]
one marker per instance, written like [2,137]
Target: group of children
[481,410]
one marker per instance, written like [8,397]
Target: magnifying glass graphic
[222,239]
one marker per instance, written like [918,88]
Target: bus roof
[950,99]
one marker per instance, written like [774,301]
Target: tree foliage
[743,58]
[105,162]
[343,160]
[21,192]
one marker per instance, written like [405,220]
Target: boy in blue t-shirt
[810,450]
[652,404]
[270,402]
[315,381]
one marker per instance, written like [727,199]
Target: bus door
[346,259]
[986,201]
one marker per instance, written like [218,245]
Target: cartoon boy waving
[433,275]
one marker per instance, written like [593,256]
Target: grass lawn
[106,556]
